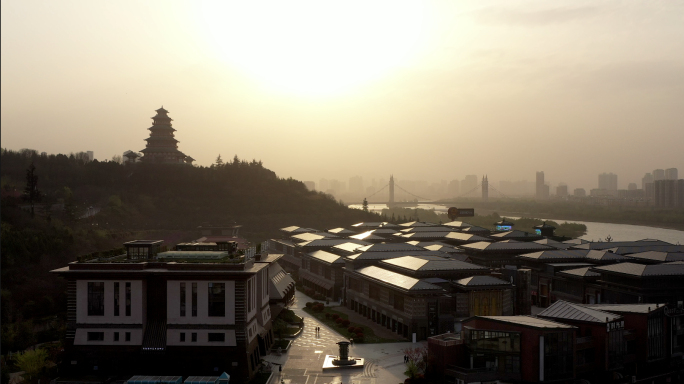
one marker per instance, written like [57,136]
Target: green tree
[32,362]
[31,192]
[279,326]
[219,161]
[365,205]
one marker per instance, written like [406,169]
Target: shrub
[338,320]
[359,336]
[358,330]
[309,304]
[335,316]
[345,323]
[351,330]
[318,307]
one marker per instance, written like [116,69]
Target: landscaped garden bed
[284,345]
[340,322]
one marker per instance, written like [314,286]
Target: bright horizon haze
[422,89]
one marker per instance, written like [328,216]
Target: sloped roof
[514,234]
[434,228]
[330,242]
[313,236]
[443,248]
[625,308]
[294,229]
[368,235]
[474,228]
[658,256]
[431,264]
[425,235]
[638,249]
[553,243]
[457,224]
[580,272]
[327,257]
[575,241]
[475,281]
[614,244]
[389,247]
[417,224]
[568,311]
[395,254]
[641,270]
[459,236]
[350,246]
[376,224]
[484,246]
[527,321]
[341,231]
[556,254]
[397,279]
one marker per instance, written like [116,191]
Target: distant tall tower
[391,191]
[162,147]
[542,189]
[485,188]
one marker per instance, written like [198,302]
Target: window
[194,300]
[182,337]
[182,299]
[116,299]
[128,299]
[217,299]
[128,336]
[217,337]
[558,355]
[194,337]
[249,296]
[374,292]
[95,336]
[398,302]
[116,336]
[96,299]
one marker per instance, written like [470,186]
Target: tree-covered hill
[137,201]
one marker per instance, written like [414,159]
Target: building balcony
[584,342]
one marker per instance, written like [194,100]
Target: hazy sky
[423,90]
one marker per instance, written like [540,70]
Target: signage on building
[616,325]
[454,212]
[674,312]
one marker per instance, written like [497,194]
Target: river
[595,231]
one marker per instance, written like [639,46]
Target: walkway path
[302,363]
[377,328]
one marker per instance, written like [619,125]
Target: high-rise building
[671,174]
[453,188]
[632,187]
[608,181]
[562,190]
[356,185]
[310,185]
[666,193]
[91,157]
[648,178]
[391,190]
[542,189]
[658,174]
[468,184]
[580,192]
[485,188]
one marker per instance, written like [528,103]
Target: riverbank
[577,218]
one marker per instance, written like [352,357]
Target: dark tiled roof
[443,248]
[389,247]
[614,244]
[397,279]
[475,281]
[556,254]
[457,224]
[643,270]
[294,230]
[568,311]
[435,228]
[658,256]
[515,234]
[377,224]
[391,255]
[368,236]
[580,272]
[330,242]
[625,308]
[431,264]
[425,235]
[483,246]
[475,229]
[553,243]
[313,236]
[417,224]
[341,231]
[459,236]
[639,249]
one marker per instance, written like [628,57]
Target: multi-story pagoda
[162,147]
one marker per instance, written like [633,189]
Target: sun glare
[315,48]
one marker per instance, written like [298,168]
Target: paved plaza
[302,363]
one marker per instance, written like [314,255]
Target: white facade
[173,303]
[138,294]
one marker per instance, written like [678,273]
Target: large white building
[174,312]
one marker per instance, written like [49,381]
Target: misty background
[427,91]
